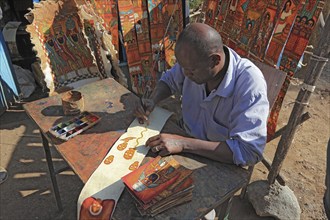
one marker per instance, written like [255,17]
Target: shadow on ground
[28,193]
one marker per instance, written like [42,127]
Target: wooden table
[215,183]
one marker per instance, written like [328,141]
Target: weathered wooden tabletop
[214,183]
[84,153]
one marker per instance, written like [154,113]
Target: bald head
[203,38]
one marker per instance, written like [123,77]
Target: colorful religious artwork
[134,22]
[266,27]
[108,12]
[221,13]
[155,177]
[149,31]
[100,194]
[294,48]
[274,32]
[58,35]
[301,31]
[95,208]
[173,25]
[282,30]
[100,21]
[94,42]
[166,22]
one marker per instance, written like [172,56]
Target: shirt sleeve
[174,78]
[248,127]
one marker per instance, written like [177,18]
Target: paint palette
[74,126]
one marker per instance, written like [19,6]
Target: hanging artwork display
[158,22]
[274,32]
[134,27]
[295,45]
[173,21]
[299,36]
[107,10]
[142,28]
[282,30]
[166,22]
[266,27]
[58,35]
[103,14]
[93,33]
[149,29]
[100,194]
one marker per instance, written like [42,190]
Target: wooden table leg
[222,211]
[51,171]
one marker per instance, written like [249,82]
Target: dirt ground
[304,166]
[27,193]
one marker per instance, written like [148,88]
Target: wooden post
[315,68]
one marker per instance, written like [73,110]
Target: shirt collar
[226,87]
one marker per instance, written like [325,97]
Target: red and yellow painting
[153,178]
[60,41]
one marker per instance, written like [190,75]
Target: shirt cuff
[240,155]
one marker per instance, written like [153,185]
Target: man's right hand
[143,110]
[146,105]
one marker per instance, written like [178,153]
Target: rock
[273,200]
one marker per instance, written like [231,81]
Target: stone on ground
[273,200]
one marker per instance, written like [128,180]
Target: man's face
[196,68]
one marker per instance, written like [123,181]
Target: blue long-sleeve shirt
[235,112]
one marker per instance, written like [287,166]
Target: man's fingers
[141,114]
[156,148]
[151,141]
[140,120]
[164,152]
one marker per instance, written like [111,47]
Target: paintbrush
[146,95]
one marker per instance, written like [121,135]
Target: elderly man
[224,101]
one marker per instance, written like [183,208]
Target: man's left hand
[166,144]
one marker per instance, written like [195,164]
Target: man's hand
[143,110]
[166,144]
[147,105]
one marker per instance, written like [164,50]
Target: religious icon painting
[220,14]
[107,10]
[158,21]
[293,50]
[126,14]
[233,21]
[156,178]
[142,27]
[94,43]
[137,78]
[264,34]
[58,35]
[282,29]
[210,11]
[175,26]
[99,24]
[96,208]
[301,31]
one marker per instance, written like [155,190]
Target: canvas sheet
[105,186]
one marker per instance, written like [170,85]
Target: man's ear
[215,59]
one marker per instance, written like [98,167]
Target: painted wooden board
[101,192]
